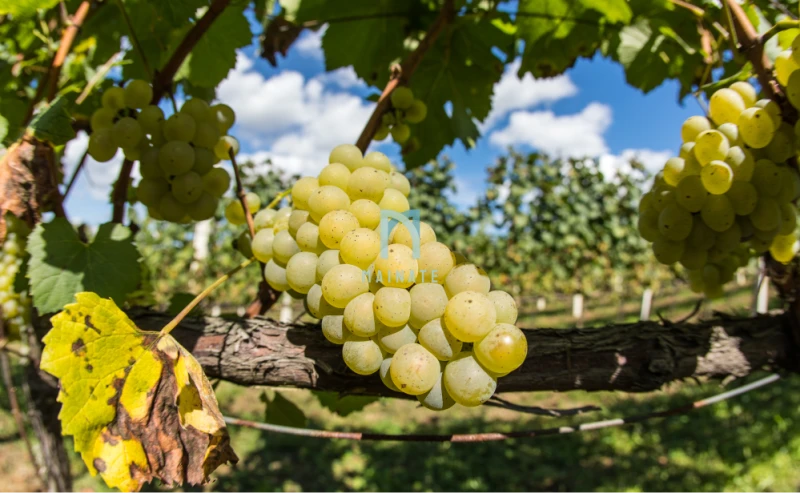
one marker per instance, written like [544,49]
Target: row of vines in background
[539,227]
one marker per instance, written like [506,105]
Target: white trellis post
[287,314]
[761,289]
[541,303]
[647,304]
[577,306]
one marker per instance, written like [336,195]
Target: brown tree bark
[636,357]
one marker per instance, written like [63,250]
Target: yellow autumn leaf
[137,404]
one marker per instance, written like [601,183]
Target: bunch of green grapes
[730,193]
[405,110]
[177,156]
[16,306]
[430,325]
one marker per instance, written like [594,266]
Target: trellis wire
[491,437]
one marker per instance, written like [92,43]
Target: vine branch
[750,44]
[404,73]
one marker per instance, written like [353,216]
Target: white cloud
[652,160]
[344,78]
[309,44]
[576,135]
[513,93]
[294,121]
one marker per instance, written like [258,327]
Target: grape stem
[750,44]
[200,297]
[242,194]
[402,75]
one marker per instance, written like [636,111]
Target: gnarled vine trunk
[635,357]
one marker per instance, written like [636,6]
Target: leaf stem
[98,76]
[200,297]
[781,25]
[134,39]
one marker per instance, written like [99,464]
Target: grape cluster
[177,155]
[430,326]
[16,306]
[730,193]
[405,110]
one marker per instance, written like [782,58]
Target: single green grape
[103,118]
[416,112]
[176,157]
[179,126]
[401,133]
[170,209]
[151,118]
[402,98]
[204,207]
[127,133]
[138,94]
[187,187]
[216,182]
[101,145]
[114,98]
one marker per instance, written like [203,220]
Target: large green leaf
[54,124]
[460,71]
[557,32]
[61,265]
[24,8]
[369,40]
[215,53]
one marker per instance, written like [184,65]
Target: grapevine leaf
[54,124]
[215,53]
[369,43]
[661,43]
[137,404]
[557,32]
[282,411]
[459,70]
[24,8]
[61,265]
[344,405]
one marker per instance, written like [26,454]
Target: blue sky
[295,113]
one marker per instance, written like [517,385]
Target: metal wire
[490,437]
